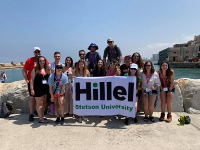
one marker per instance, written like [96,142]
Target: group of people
[43,78]
[3,77]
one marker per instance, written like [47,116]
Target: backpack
[187,119]
[115,47]
[4,112]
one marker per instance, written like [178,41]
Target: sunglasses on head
[42,61]
[133,69]
[81,54]
[136,56]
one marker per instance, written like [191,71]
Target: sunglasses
[109,41]
[136,56]
[42,61]
[37,51]
[59,67]
[112,63]
[81,54]
[148,65]
[133,69]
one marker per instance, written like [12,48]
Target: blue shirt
[63,80]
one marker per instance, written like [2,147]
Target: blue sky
[145,26]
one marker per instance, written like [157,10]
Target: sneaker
[58,120]
[135,120]
[162,117]
[169,118]
[78,118]
[62,120]
[114,118]
[126,121]
[31,117]
[84,119]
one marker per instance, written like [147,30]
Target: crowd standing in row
[43,78]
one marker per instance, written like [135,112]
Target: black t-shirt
[124,69]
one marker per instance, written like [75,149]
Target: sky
[67,26]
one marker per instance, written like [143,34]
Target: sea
[193,73]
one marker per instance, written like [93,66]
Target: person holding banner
[113,69]
[80,71]
[167,90]
[135,73]
[57,82]
[126,67]
[68,88]
[99,69]
[150,82]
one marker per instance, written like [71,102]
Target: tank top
[167,81]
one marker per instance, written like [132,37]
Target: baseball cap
[109,40]
[59,65]
[133,65]
[36,48]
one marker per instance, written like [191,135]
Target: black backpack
[187,119]
[115,47]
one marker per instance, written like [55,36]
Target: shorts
[173,91]
[154,92]
[29,89]
[57,95]
[137,95]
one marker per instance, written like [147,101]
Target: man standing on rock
[29,65]
[112,52]
[57,57]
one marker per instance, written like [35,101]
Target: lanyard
[164,79]
[43,72]
[59,80]
[147,79]
[92,57]
[128,67]
[80,74]
[111,53]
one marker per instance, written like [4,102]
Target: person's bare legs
[151,100]
[56,105]
[163,101]
[44,103]
[145,104]
[39,106]
[61,105]
[169,103]
[32,104]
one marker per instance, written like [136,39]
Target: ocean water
[193,73]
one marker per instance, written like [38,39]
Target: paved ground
[99,134]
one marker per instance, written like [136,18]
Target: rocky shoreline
[11,65]
[186,98]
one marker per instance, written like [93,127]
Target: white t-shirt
[153,81]
[3,77]
[53,65]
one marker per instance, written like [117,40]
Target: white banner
[104,96]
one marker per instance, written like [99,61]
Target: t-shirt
[62,81]
[124,69]
[30,64]
[114,53]
[93,59]
[53,65]
[2,77]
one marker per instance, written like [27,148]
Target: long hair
[77,69]
[102,69]
[116,66]
[140,62]
[38,67]
[169,71]
[71,65]
[137,77]
[152,68]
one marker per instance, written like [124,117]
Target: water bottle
[52,108]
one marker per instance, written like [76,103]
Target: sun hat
[109,40]
[133,65]
[36,48]
[93,44]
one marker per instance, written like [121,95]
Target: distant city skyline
[141,26]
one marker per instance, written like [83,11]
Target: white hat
[133,65]
[36,48]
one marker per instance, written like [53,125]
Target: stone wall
[186,96]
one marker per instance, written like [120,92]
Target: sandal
[152,119]
[43,121]
[146,119]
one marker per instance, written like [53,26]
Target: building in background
[155,57]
